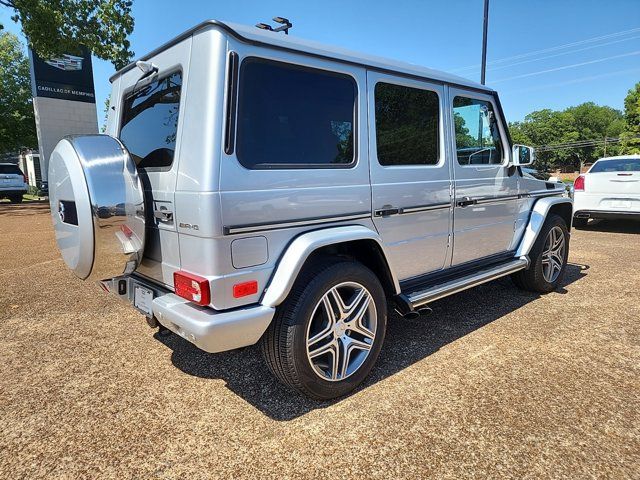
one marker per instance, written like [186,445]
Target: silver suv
[13,183]
[253,187]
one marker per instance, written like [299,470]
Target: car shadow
[406,342]
[612,226]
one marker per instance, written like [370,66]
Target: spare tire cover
[97,206]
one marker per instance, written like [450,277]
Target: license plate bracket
[143,299]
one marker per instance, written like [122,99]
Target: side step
[418,298]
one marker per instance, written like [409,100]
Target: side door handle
[386,211]
[163,215]
[465,202]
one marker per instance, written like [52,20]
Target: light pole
[484,42]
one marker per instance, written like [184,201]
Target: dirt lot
[495,383]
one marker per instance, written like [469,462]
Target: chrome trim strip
[544,193]
[294,223]
[425,208]
[457,285]
[505,198]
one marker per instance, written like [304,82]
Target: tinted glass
[10,169]
[406,125]
[618,165]
[150,121]
[293,116]
[477,135]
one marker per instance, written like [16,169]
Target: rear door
[486,188]
[150,127]
[410,178]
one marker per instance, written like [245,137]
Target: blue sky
[589,50]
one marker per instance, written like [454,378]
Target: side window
[150,121]
[477,135]
[292,116]
[407,122]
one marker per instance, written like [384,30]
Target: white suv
[13,183]
[256,187]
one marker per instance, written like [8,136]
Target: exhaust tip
[424,310]
[411,315]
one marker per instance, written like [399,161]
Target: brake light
[578,185]
[245,289]
[26,180]
[192,287]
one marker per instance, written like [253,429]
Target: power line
[552,49]
[590,47]
[578,144]
[566,67]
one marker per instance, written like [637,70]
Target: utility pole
[484,42]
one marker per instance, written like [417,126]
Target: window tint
[10,170]
[150,121]
[477,135]
[618,165]
[294,116]
[406,125]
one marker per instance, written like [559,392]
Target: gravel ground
[494,383]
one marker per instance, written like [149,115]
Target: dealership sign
[67,77]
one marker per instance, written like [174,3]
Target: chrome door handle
[163,215]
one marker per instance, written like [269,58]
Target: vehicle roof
[619,157]
[261,37]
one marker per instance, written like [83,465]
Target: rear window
[150,121]
[10,169]
[617,165]
[294,117]
[406,125]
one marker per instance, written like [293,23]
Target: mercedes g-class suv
[252,187]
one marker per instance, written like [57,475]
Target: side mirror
[522,155]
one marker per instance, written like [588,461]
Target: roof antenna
[285,25]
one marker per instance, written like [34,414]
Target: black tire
[533,278]
[580,222]
[284,344]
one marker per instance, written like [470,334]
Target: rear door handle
[465,202]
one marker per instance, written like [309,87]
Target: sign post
[64,99]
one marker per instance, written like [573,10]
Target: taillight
[578,185]
[26,180]
[192,287]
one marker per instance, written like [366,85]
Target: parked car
[13,183]
[609,190]
[278,191]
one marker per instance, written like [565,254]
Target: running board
[422,297]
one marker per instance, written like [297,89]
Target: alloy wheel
[341,331]
[553,254]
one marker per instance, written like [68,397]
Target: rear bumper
[606,215]
[12,191]
[210,330]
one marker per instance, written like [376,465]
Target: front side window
[407,122]
[477,135]
[290,116]
[150,121]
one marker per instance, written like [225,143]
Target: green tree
[54,27]
[547,127]
[17,123]
[594,122]
[631,135]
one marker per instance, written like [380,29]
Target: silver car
[254,187]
